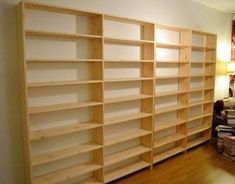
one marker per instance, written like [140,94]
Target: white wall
[181,13]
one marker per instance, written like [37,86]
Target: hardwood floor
[201,165]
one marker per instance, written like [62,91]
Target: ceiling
[227,6]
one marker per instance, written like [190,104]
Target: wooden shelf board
[47,34]
[197,62]
[61,83]
[196,142]
[62,130]
[197,129]
[124,118]
[122,137]
[127,61]
[171,77]
[128,79]
[123,171]
[58,107]
[126,41]
[62,153]
[170,62]
[196,89]
[126,20]
[169,124]
[171,46]
[196,103]
[197,75]
[58,9]
[169,109]
[202,48]
[168,139]
[169,93]
[66,174]
[126,98]
[47,61]
[166,154]
[124,155]
[200,116]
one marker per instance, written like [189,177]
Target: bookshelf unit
[171,91]
[105,96]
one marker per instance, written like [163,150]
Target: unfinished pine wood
[125,98]
[148,60]
[62,130]
[167,140]
[196,142]
[129,117]
[61,83]
[59,107]
[124,155]
[115,174]
[125,136]
[169,124]
[198,129]
[63,153]
[67,174]
[169,109]
[166,154]
[47,34]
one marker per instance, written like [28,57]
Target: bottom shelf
[166,154]
[196,142]
[120,172]
[66,174]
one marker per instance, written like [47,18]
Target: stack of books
[223,131]
[229,148]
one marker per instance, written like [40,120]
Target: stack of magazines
[223,131]
[229,148]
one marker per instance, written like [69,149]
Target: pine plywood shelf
[128,79]
[196,142]
[202,48]
[59,107]
[166,154]
[169,109]
[169,93]
[66,174]
[122,137]
[123,171]
[58,154]
[63,61]
[170,62]
[124,118]
[170,124]
[171,46]
[198,129]
[200,102]
[196,89]
[124,155]
[126,41]
[61,83]
[197,75]
[58,9]
[62,130]
[171,77]
[125,98]
[47,34]
[127,61]
[168,139]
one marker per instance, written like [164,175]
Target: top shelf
[57,9]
